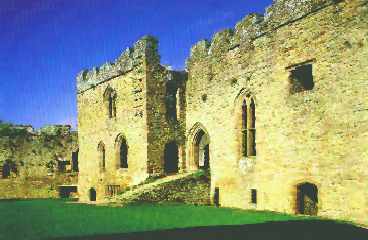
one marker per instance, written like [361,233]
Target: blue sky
[45,43]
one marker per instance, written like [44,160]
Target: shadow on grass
[290,230]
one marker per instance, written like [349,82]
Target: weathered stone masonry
[144,92]
[33,164]
[277,106]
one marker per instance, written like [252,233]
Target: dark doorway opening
[206,156]
[75,167]
[171,157]
[307,199]
[92,194]
[216,197]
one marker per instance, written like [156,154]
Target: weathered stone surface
[317,136]
[314,135]
[125,63]
[141,103]
[34,157]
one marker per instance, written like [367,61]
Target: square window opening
[301,78]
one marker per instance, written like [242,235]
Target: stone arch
[171,158]
[109,97]
[199,147]
[121,146]
[92,194]
[101,156]
[306,198]
[245,123]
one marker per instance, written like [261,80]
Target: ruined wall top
[280,13]
[146,47]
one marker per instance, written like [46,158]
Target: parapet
[144,48]
[280,13]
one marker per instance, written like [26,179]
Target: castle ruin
[276,108]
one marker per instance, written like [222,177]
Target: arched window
[248,127]
[252,129]
[110,101]
[244,129]
[122,152]
[102,156]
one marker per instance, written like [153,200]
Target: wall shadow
[290,230]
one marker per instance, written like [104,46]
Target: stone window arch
[244,128]
[102,156]
[110,102]
[251,136]
[121,152]
[247,126]
[199,148]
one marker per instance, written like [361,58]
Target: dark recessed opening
[301,78]
[253,193]
[171,157]
[216,197]
[92,194]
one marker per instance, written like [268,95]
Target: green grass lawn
[40,219]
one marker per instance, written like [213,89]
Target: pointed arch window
[110,102]
[252,129]
[122,152]
[244,129]
[102,156]
[248,127]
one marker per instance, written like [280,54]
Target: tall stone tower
[128,111]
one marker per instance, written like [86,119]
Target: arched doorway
[171,158]
[201,150]
[307,199]
[92,194]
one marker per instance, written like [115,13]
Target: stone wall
[33,163]
[302,67]
[138,82]
[316,136]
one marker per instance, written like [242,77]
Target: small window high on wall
[110,102]
[171,101]
[301,78]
